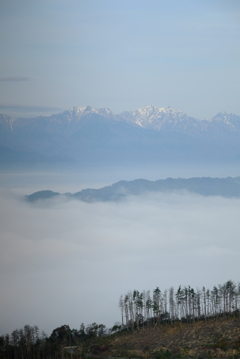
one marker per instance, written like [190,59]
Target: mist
[67,262]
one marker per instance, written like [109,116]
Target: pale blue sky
[120,54]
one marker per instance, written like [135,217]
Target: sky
[124,55]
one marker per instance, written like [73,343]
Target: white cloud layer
[68,262]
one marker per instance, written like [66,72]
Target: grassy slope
[214,338]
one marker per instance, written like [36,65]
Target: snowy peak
[225,117]
[156,118]
[221,117]
[226,120]
[168,119]
[75,114]
[88,110]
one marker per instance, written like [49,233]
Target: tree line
[186,304]
[29,343]
[138,309]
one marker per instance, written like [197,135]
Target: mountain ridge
[206,186]
[86,135]
[148,114]
[155,118]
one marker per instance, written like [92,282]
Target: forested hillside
[186,304]
[171,324]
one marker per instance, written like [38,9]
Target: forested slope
[186,323]
[213,338]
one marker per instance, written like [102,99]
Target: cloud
[14,78]
[29,109]
[68,262]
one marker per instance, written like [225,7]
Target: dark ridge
[46,194]
[205,186]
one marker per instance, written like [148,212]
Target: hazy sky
[120,54]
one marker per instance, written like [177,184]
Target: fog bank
[68,262]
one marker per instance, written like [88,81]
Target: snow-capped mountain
[71,116]
[149,117]
[169,119]
[77,113]
[151,133]
[229,120]
[156,117]
[162,119]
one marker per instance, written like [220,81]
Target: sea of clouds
[66,262]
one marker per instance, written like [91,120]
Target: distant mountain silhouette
[205,186]
[98,136]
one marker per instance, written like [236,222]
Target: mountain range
[84,135]
[205,186]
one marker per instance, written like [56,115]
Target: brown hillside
[215,338]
